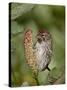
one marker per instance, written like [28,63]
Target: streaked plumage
[43,49]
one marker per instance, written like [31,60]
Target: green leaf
[16,28]
[20,9]
[42,77]
[55,76]
[42,15]
[58,48]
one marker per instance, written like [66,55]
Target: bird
[43,49]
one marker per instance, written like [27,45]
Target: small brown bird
[43,49]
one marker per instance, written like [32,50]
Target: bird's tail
[46,68]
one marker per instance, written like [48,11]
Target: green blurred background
[35,16]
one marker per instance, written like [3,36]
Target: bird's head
[43,35]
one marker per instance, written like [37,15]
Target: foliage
[36,16]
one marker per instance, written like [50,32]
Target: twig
[36,78]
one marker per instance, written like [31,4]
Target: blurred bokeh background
[37,16]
